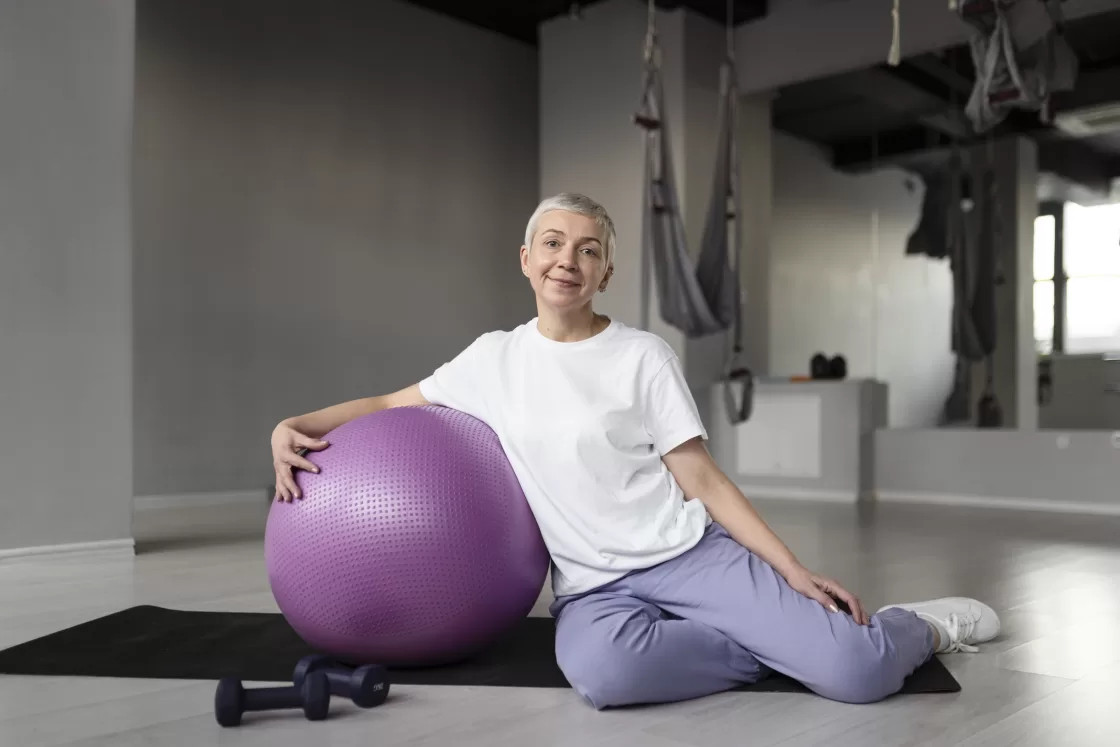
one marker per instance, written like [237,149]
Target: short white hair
[574,202]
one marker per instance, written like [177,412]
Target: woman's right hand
[287,442]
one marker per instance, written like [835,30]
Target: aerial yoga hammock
[1021,57]
[705,299]
[960,220]
[1019,52]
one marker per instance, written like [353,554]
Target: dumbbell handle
[272,698]
[232,699]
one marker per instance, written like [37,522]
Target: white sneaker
[960,621]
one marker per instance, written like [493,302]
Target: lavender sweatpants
[718,617]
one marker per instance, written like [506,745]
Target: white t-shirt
[584,425]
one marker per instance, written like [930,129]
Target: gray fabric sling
[1020,55]
[967,238]
[697,304]
[705,299]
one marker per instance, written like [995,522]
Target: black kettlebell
[989,413]
[1045,383]
[838,368]
[819,367]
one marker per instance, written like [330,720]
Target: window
[1091,252]
[1044,235]
[1078,310]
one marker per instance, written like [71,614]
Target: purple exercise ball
[413,546]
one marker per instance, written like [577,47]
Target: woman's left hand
[825,591]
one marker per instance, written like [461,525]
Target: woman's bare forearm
[730,508]
[320,422]
[701,479]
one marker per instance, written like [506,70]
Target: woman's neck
[578,325]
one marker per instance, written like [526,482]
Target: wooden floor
[1053,678]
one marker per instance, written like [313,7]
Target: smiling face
[567,262]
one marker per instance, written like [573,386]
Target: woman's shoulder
[648,345]
[487,344]
[498,337]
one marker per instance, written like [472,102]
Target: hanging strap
[648,117]
[738,379]
[703,299]
[895,56]
[683,300]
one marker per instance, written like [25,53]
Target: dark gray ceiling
[883,114]
[519,18]
[896,114]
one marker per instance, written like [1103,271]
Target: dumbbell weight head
[232,700]
[367,686]
[310,664]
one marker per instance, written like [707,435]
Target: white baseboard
[113,548]
[982,501]
[783,492]
[191,500]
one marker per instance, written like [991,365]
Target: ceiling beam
[899,147]
[915,147]
[1079,163]
[932,67]
[1092,88]
[894,93]
[928,140]
[742,11]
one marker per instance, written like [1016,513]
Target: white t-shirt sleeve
[670,411]
[462,383]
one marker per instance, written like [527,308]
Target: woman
[668,583]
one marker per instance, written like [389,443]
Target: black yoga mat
[157,643]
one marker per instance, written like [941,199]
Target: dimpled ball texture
[413,546]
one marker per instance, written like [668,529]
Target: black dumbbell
[367,686]
[232,700]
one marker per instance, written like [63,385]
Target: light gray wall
[590,88]
[850,413]
[1085,393]
[1078,470]
[841,283]
[65,310]
[330,198]
[757,184]
[589,143]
